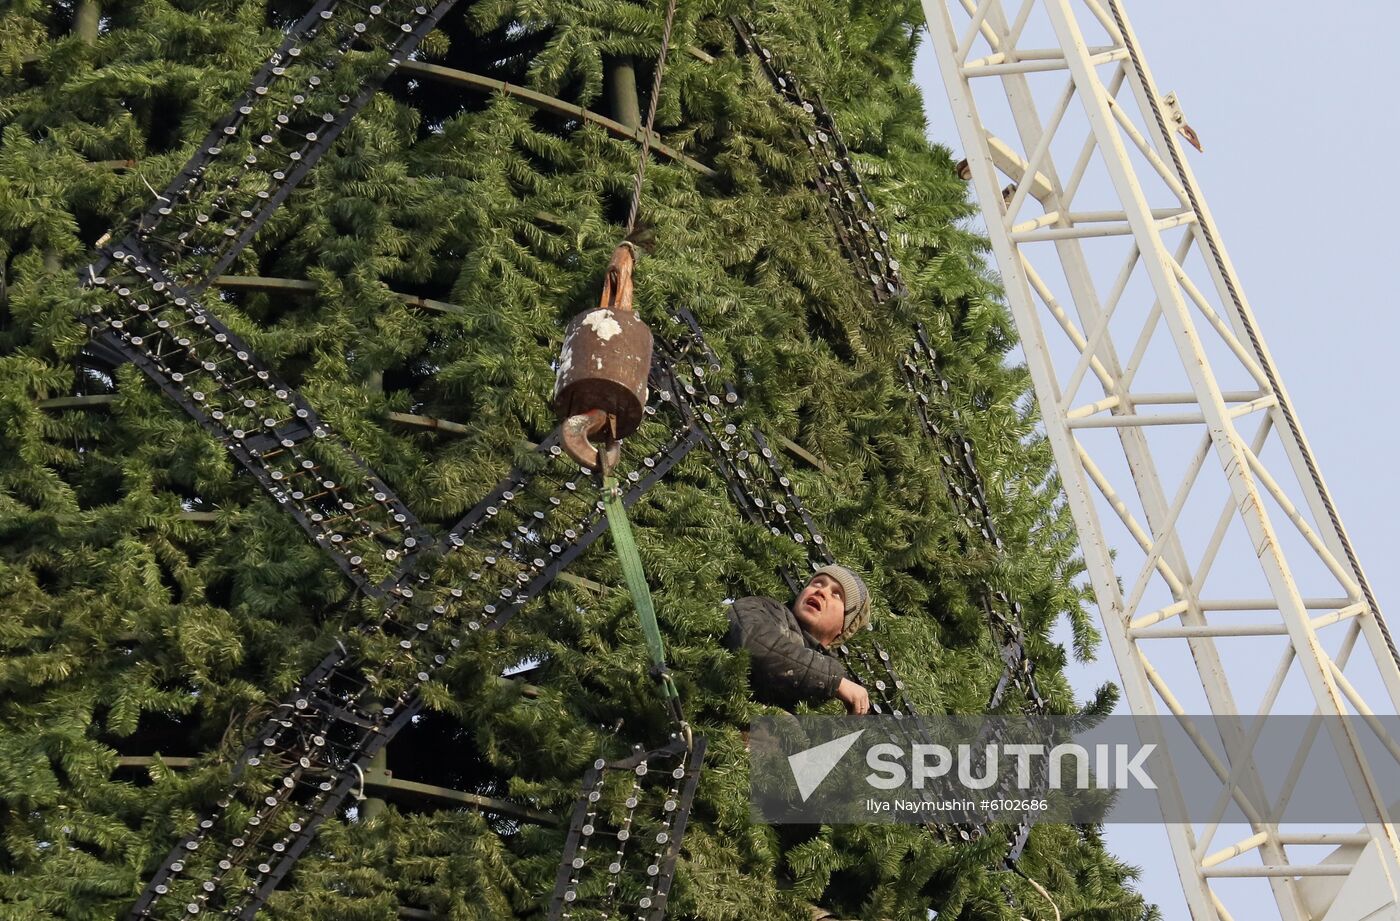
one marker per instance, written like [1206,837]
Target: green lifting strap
[626,546]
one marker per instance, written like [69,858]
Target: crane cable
[624,541]
[645,152]
[1265,363]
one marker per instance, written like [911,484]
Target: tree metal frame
[330,64]
[1160,367]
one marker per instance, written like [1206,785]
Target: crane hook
[576,434]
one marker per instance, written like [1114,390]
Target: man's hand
[855,697]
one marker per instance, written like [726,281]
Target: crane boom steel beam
[1103,215]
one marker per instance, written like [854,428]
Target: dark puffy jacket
[786,666]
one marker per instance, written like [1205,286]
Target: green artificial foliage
[157,601]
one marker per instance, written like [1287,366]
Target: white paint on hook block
[603,324]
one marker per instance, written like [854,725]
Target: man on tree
[789,661]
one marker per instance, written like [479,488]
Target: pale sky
[1298,128]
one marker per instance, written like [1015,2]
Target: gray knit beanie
[857,598]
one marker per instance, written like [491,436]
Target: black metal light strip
[295,109]
[417,23]
[805,530]
[759,487]
[192,172]
[685,441]
[941,422]
[626,866]
[328,806]
[262,421]
[873,666]
[576,843]
[661,882]
[852,212]
[355,518]
[175,861]
[321,738]
[279,785]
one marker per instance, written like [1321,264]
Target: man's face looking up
[821,608]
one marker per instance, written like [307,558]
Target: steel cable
[645,151]
[1254,339]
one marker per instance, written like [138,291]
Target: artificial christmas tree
[410,296]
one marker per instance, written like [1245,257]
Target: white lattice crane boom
[1176,444]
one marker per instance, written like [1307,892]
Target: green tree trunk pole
[373,806]
[621,81]
[86,20]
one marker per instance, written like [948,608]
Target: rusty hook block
[603,367]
